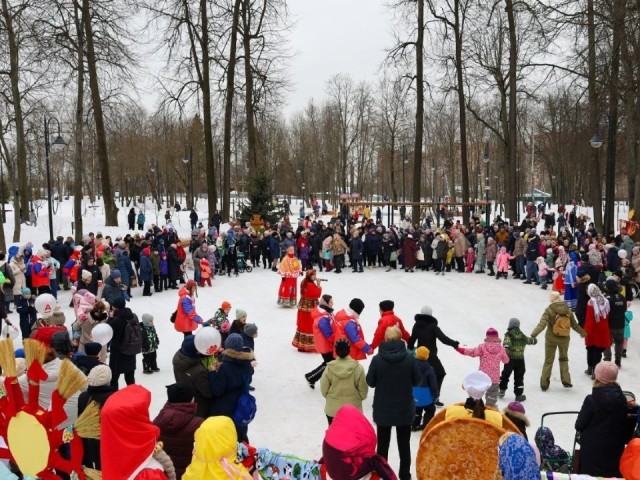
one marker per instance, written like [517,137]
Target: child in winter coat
[515,342]
[205,272]
[470,257]
[220,320]
[502,262]
[27,310]
[164,272]
[491,353]
[490,253]
[426,394]
[544,272]
[515,412]
[150,343]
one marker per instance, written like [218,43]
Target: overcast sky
[334,36]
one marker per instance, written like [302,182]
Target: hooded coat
[227,383]
[393,372]
[188,368]
[491,353]
[120,362]
[343,383]
[602,423]
[178,424]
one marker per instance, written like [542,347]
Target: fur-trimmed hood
[518,415]
[236,355]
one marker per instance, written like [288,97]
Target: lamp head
[596,141]
[185,160]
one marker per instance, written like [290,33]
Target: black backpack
[132,340]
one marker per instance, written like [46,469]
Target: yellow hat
[422,353]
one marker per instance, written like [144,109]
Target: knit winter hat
[146,319]
[426,310]
[92,349]
[240,313]
[324,300]
[86,276]
[250,329]
[386,305]
[476,384]
[115,273]
[513,323]
[492,333]
[234,342]
[25,291]
[554,297]
[225,305]
[356,305]
[188,347]
[99,376]
[179,393]
[612,285]
[119,303]
[422,353]
[516,407]
[606,372]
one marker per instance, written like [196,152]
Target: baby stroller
[243,266]
[553,458]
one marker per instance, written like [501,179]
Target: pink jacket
[502,261]
[491,353]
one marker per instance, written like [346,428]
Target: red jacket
[598,334]
[388,319]
[347,326]
[187,319]
[39,273]
[323,324]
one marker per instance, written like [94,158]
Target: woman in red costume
[289,269]
[310,292]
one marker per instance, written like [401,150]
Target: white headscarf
[599,303]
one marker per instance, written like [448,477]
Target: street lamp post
[188,160]
[58,142]
[405,160]
[155,167]
[486,159]
[433,187]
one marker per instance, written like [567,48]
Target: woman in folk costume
[596,324]
[128,439]
[349,449]
[516,458]
[215,452]
[310,292]
[571,281]
[289,269]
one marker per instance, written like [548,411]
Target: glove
[583,335]
[457,344]
[460,350]
[367,349]
[535,341]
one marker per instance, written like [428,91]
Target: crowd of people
[209,402]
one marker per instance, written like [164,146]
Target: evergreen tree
[261,199]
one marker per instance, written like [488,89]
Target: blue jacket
[146,269]
[227,384]
[357,248]
[274,248]
[126,269]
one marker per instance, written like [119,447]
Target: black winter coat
[602,424]
[178,423]
[618,307]
[227,384]
[173,262]
[190,370]
[118,361]
[100,395]
[425,332]
[393,373]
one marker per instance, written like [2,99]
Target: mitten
[460,350]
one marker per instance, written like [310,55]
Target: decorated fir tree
[261,199]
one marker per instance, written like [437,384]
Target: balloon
[207,340]
[45,304]
[102,333]
[622,253]
[9,331]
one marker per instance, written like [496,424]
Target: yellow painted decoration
[28,443]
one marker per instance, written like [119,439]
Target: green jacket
[549,317]
[155,263]
[343,382]
[515,342]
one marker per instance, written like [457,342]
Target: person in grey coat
[393,373]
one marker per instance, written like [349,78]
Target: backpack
[562,325]
[173,316]
[246,408]
[132,340]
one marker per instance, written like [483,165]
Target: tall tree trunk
[463,112]
[110,208]
[595,183]
[77,174]
[212,192]
[617,16]
[511,202]
[228,112]
[21,200]
[392,167]
[252,137]
[417,153]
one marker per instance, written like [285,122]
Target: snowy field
[290,416]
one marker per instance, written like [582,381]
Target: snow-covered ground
[290,415]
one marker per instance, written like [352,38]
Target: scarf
[598,301]
[516,458]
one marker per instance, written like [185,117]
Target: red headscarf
[349,447]
[128,437]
